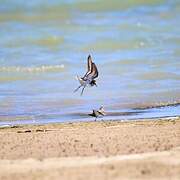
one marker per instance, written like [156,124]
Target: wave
[43,68]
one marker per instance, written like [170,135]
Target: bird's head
[93,82]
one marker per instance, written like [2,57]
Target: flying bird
[89,78]
[98,113]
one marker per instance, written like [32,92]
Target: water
[44,45]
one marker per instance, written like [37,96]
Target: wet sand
[104,150]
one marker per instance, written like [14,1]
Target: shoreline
[98,121]
[103,149]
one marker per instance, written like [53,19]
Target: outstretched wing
[89,66]
[94,72]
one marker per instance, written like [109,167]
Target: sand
[105,150]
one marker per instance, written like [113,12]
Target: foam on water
[32,69]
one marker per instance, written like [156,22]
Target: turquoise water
[45,44]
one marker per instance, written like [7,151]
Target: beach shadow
[108,114]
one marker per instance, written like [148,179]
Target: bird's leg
[102,120]
[77,88]
[82,90]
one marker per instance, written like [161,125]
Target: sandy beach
[145,149]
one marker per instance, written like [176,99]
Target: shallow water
[44,45]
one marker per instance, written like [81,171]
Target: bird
[98,113]
[89,78]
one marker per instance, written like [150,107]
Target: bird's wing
[93,74]
[102,113]
[89,67]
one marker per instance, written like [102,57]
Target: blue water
[45,44]
[123,115]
